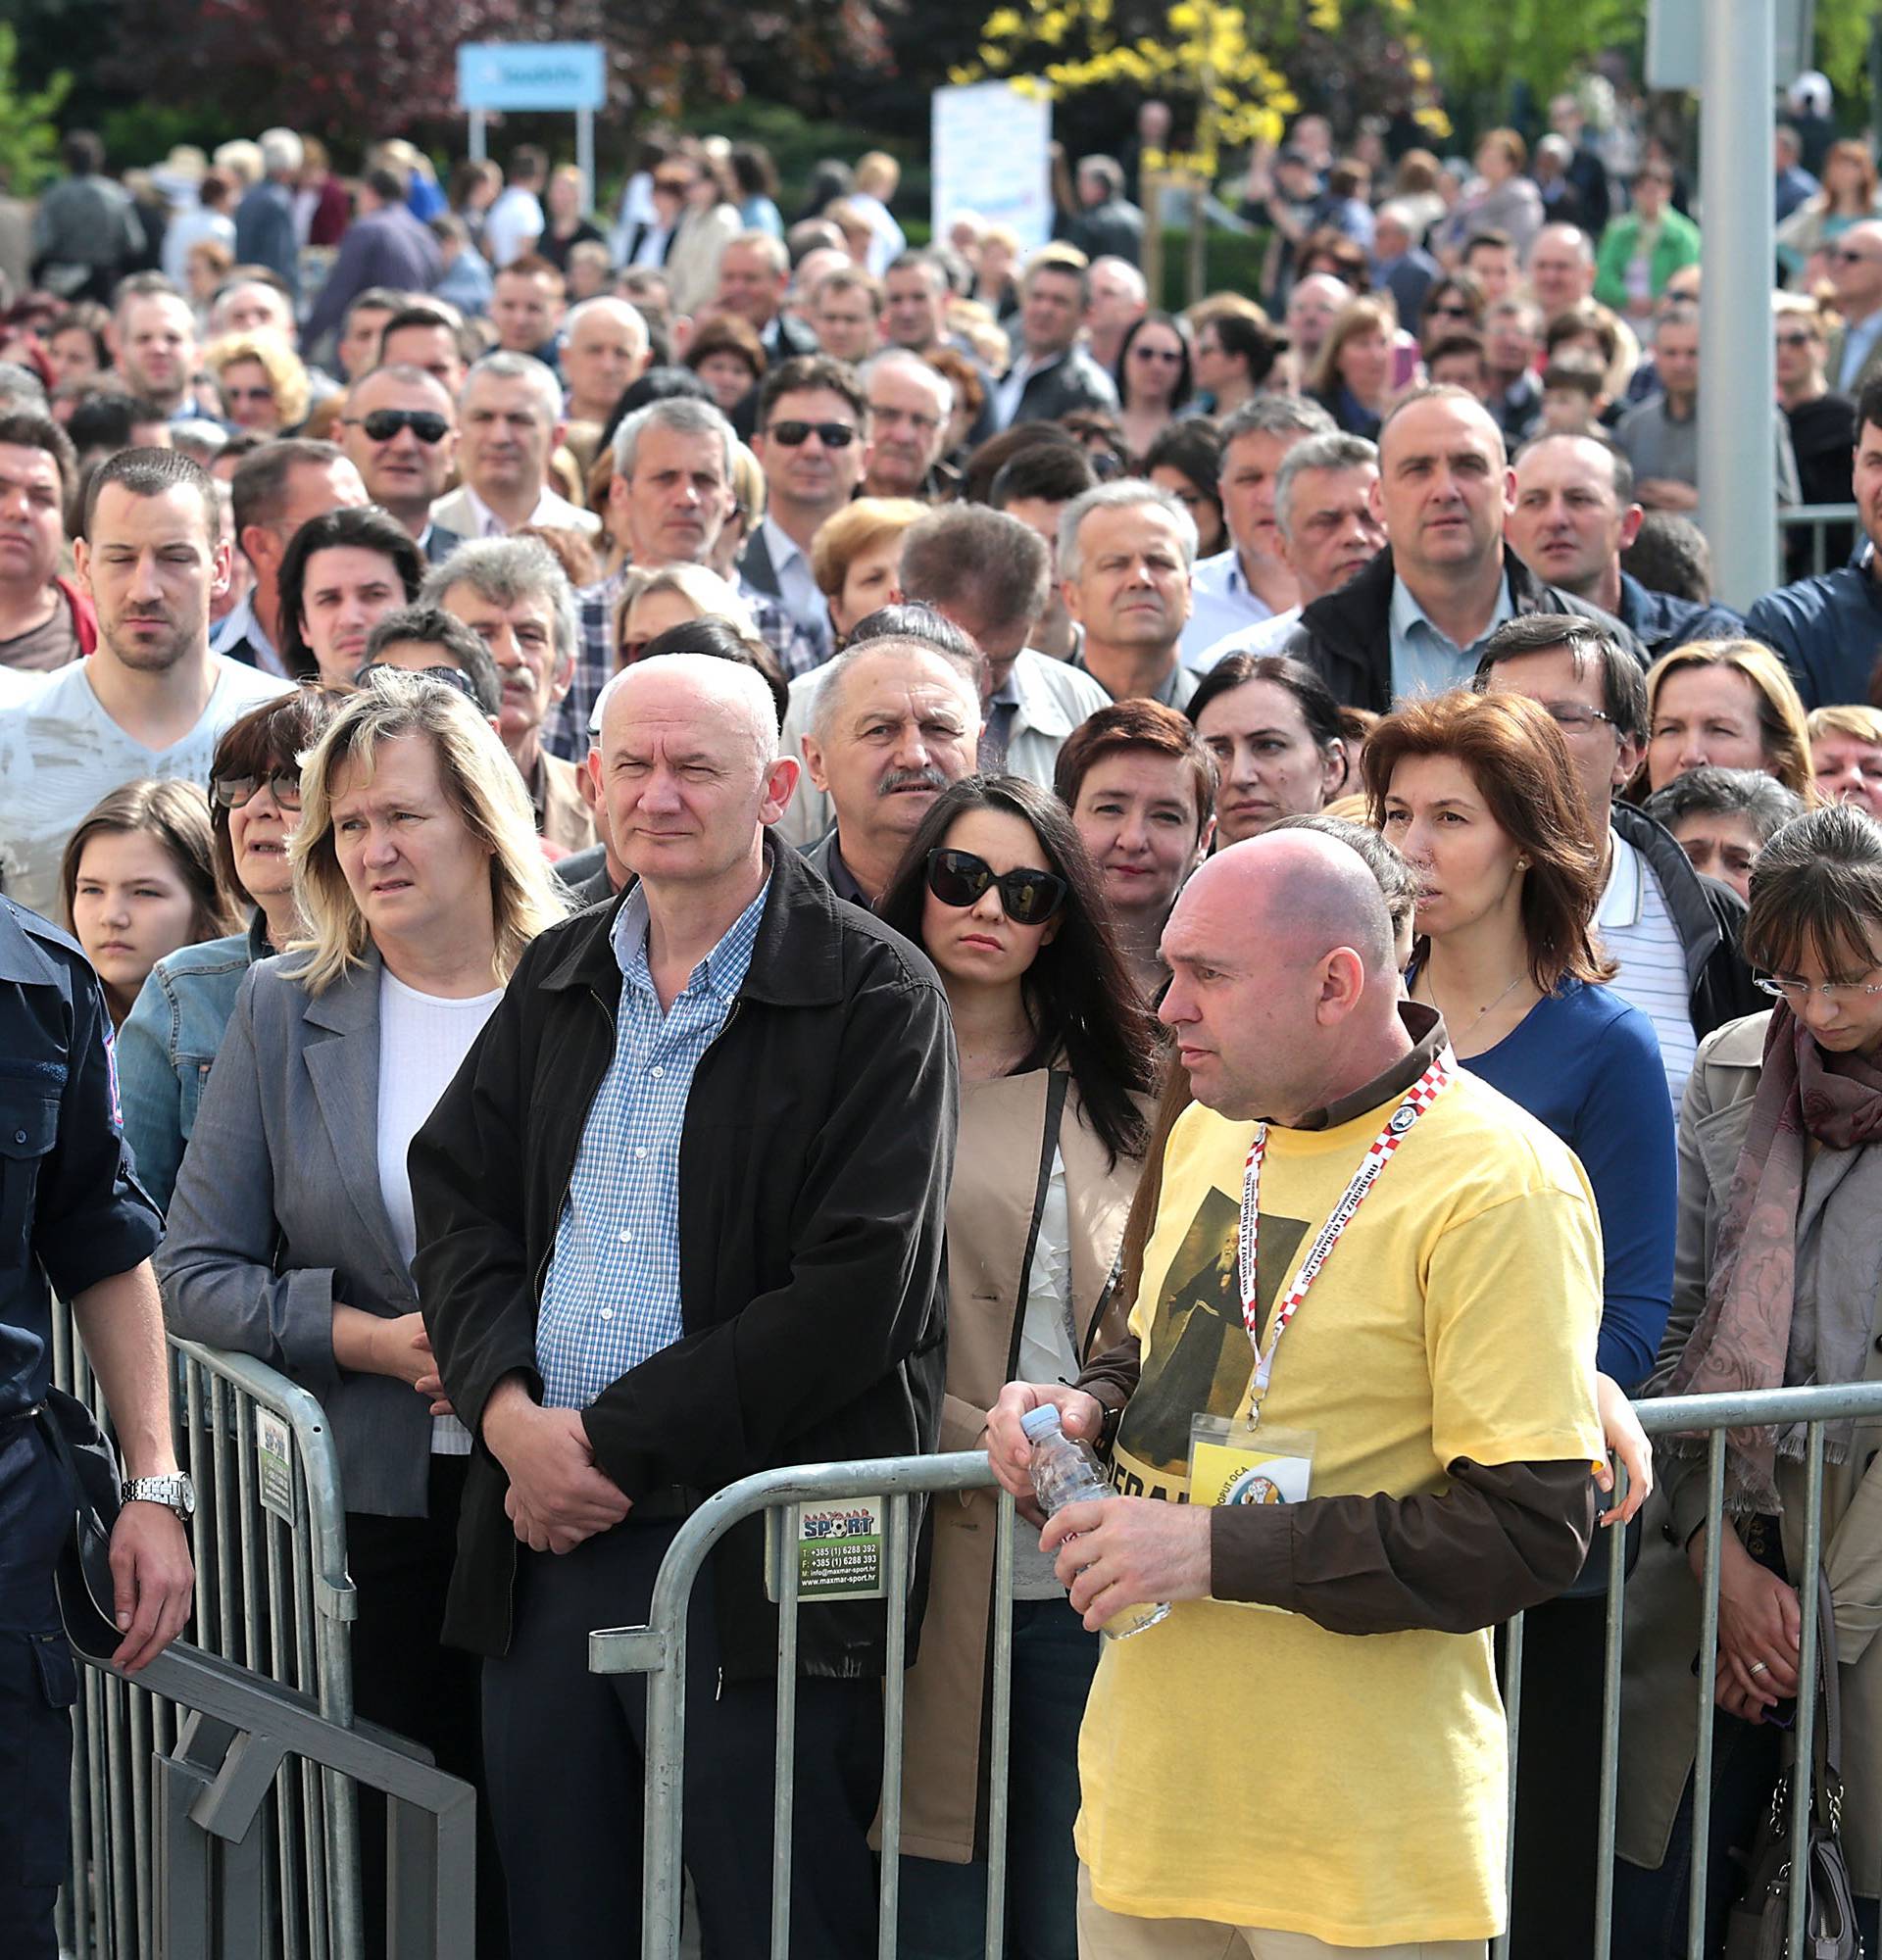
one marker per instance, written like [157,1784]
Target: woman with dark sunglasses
[172,1032]
[1058,1062]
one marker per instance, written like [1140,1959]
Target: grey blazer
[278,1214]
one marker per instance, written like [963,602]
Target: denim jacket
[168,1042]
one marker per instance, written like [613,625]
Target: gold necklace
[1482,1014]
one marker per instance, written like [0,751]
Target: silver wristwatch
[175,1492]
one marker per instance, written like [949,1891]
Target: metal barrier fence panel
[658,1651]
[1821,522]
[236,1736]
[273,1596]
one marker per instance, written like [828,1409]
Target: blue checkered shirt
[565,732]
[610,1297]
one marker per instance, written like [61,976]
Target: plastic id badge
[1232,1461]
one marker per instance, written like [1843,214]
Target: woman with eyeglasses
[1776,1283]
[291,1230]
[1058,1061]
[1480,796]
[1453,305]
[264,388]
[173,1033]
[1153,378]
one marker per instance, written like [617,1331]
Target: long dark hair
[1185,377]
[1079,996]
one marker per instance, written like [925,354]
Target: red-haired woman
[1478,793]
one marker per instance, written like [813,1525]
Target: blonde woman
[855,555]
[264,386]
[651,601]
[420,881]
[1729,702]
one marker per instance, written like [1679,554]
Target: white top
[1221,602]
[1270,637]
[1636,929]
[510,226]
[1048,1353]
[887,240]
[59,752]
[424,1039]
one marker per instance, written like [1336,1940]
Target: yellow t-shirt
[1246,1766]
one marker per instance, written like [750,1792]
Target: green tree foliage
[28,121]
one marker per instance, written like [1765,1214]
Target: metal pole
[1737,381]
[585,150]
[480,149]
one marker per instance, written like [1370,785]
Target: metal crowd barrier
[1821,520]
[274,1599]
[211,1861]
[658,1651]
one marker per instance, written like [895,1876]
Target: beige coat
[1001,1163]
[1659,1706]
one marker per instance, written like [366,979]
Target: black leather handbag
[88,1463]
[1757,1926]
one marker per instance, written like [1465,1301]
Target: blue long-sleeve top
[1588,1065]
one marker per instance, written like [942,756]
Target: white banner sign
[990,157]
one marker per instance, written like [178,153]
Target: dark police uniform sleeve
[72,1213]
[71,1208]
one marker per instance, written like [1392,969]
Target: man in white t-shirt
[1674,933]
[515,222]
[152,700]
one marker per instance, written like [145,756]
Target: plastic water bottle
[1065,1472]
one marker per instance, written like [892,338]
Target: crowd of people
[645,845]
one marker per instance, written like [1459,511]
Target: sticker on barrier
[273,1459]
[838,1547]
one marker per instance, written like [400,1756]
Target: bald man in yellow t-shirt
[1263,1777]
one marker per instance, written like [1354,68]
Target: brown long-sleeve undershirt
[1505,1536]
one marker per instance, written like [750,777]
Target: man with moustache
[512,592]
[151,699]
[894,723]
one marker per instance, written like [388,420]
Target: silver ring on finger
[1756,1668]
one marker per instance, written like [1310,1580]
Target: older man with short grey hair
[910,404]
[1125,554]
[509,420]
[670,498]
[894,723]
[514,595]
[1250,581]
[1325,531]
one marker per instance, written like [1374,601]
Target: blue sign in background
[532,74]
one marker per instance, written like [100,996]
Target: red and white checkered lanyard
[1378,1153]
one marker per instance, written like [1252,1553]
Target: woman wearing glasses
[1058,1061]
[173,1033]
[1153,380]
[1776,1280]
[1454,305]
[291,1227]
[1480,796]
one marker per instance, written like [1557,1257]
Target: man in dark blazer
[1053,374]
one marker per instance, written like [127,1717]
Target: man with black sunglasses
[400,430]
[813,440]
